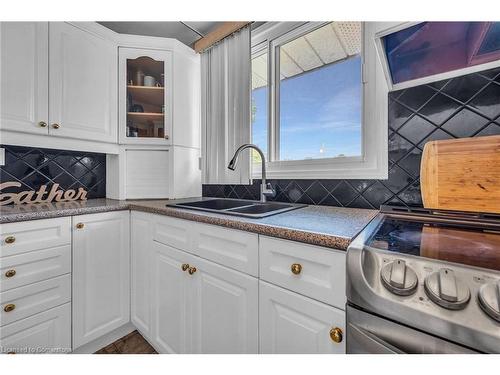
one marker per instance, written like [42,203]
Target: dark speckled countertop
[333,227]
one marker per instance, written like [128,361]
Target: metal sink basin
[237,207]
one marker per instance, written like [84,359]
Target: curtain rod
[223,31]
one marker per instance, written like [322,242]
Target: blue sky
[320,109]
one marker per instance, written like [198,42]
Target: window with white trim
[311,102]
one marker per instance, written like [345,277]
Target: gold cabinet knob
[80,226]
[42,124]
[336,334]
[10,239]
[192,270]
[9,307]
[185,266]
[296,268]
[56,126]
[10,273]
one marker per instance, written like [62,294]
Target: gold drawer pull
[10,273]
[185,267]
[9,307]
[42,124]
[336,334]
[80,226]
[296,268]
[10,239]
[192,270]
[56,126]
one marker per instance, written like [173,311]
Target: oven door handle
[370,342]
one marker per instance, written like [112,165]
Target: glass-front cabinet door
[145,96]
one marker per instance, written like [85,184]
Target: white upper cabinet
[83,81]
[145,87]
[24,77]
[57,80]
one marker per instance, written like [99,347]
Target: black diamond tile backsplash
[33,167]
[466,106]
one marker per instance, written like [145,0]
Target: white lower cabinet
[170,301]
[224,310]
[35,286]
[43,333]
[191,304]
[187,287]
[290,323]
[206,308]
[101,274]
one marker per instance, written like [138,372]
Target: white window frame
[424,80]
[373,163]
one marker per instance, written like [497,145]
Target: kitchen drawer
[46,332]
[232,248]
[34,298]
[34,266]
[173,232]
[322,274]
[31,235]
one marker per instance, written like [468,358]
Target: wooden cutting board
[462,174]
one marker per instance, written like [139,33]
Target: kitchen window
[310,102]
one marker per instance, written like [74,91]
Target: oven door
[370,334]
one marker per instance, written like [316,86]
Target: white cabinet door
[224,308]
[141,252]
[24,76]
[101,274]
[46,332]
[83,84]
[152,123]
[170,300]
[292,324]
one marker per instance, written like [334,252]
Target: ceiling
[185,32]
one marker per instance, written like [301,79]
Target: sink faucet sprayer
[266,190]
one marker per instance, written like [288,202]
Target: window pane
[320,93]
[430,48]
[259,104]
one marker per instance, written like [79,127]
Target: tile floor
[133,343]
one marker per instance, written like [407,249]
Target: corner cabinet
[101,274]
[145,92]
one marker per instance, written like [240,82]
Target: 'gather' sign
[41,196]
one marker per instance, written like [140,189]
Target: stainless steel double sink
[237,207]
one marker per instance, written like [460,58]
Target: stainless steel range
[424,281]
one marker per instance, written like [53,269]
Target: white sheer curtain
[225,76]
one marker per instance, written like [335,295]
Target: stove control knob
[444,289]
[489,299]
[398,278]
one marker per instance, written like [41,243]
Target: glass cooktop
[460,242]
